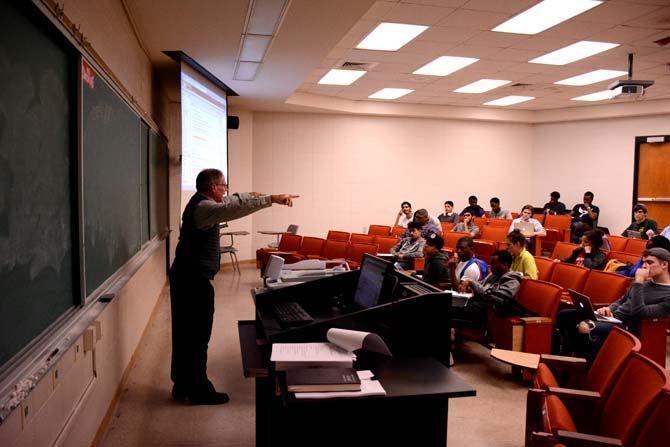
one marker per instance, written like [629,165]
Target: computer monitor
[370,282]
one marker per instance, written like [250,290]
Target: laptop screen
[370,281]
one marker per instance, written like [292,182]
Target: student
[588,254]
[473,208]
[449,215]
[498,291]
[523,260]
[553,206]
[527,216]
[427,223]
[646,227]
[467,226]
[409,247]
[497,212]
[647,297]
[584,217]
[629,270]
[196,262]
[464,264]
[404,215]
[435,268]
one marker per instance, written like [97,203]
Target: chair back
[493,233]
[631,399]
[610,360]
[361,238]
[338,236]
[385,243]
[539,218]
[563,250]
[656,429]
[446,226]
[603,288]
[379,230]
[540,297]
[289,242]
[356,250]
[496,222]
[451,239]
[311,246]
[617,243]
[624,257]
[484,249]
[569,276]
[398,231]
[293,229]
[480,222]
[557,222]
[635,246]
[334,249]
[545,267]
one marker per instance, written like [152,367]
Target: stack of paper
[369,387]
[307,355]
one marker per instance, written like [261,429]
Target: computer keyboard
[290,313]
[418,289]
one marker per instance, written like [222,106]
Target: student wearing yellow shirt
[523,260]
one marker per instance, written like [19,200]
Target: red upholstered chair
[334,249]
[569,276]
[603,288]
[480,222]
[288,243]
[484,249]
[539,218]
[624,257]
[515,215]
[561,223]
[385,243]
[398,231]
[617,243]
[310,247]
[355,253]
[653,335]
[656,429]
[549,241]
[529,334]
[563,250]
[379,230]
[495,222]
[635,246]
[338,236]
[361,238]
[451,238]
[493,233]
[446,227]
[419,264]
[545,267]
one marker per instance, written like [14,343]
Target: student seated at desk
[527,217]
[498,291]
[496,211]
[523,260]
[588,254]
[553,206]
[641,224]
[449,215]
[404,215]
[464,265]
[428,224]
[629,269]
[467,226]
[409,247]
[435,269]
[473,208]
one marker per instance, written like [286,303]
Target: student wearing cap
[646,227]
[435,268]
[647,297]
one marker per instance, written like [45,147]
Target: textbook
[369,387]
[336,353]
[322,379]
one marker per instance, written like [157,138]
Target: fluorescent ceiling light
[390,36]
[341,77]
[265,16]
[592,77]
[574,52]
[445,65]
[390,93]
[597,96]
[246,71]
[481,86]
[254,47]
[544,15]
[508,100]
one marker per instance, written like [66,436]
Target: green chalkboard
[158,189]
[37,228]
[112,183]
[144,182]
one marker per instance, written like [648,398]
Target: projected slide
[203,131]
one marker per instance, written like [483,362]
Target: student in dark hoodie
[588,254]
[435,270]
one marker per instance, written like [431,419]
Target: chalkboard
[112,137]
[158,190]
[37,227]
[144,182]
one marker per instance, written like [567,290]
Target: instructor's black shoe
[179,393]
[210,398]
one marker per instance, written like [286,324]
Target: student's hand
[605,311]
[557,260]
[588,249]
[400,213]
[464,285]
[583,328]
[283,199]
[641,275]
[398,256]
[650,233]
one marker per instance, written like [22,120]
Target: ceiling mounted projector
[629,88]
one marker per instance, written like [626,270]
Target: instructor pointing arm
[197,260]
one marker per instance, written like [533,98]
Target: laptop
[633,234]
[526,228]
[584,302]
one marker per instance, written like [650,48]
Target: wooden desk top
[274,233]
[516,358]
[234,233]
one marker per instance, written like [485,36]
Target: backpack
[483,268]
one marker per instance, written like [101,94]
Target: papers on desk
[369,387]
[306,355]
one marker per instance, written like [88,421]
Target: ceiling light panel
[597,96]
[265,16]
[246,71]
[254,47]
[592,77]
[481,86]
[544,15]
[509,100]
[341,77]
[390,93]
[445,65]
[390,36]
[574,52]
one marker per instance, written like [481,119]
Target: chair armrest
[559,360]
[572,369]
[570,438]
[569,393]
[535,320]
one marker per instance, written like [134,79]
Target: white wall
[352,171]
[595,155]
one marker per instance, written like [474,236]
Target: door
[653,180]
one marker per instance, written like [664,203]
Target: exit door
[653,178]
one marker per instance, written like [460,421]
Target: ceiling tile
[511,54]
[481,20]
[378,10]
[575,29]
[622,34]
[507,6]
[444,3]
[616,12]
[656,18]
[417,14]
[450,34]
[542,43]
[497,40]
[650,41]
[361,29]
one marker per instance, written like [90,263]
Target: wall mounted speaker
[233,122]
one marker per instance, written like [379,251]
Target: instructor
[197,260]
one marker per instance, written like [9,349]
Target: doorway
[652,177]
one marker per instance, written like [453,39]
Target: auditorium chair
[617,243]
[569,276]
[619,419]
[355,252]
[451,238]
[495,222]
[561,223]
[480,222]
[333,249]
[398,231]
[539,217]
[484,249]
[545,267]
[495,234]
[603,288]
[623,257]
[287,243]
[310,247]
[653,334]
[635,246]
[361,238]
[562,250]
[341,236]
[446,227]
[379,230]
[656,429]
[419,264]
[386,243]
[528,334]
